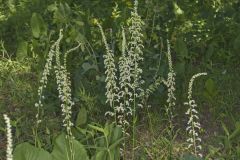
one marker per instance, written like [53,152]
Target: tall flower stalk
[63,87]
[43,84]
[110,71]
[125,95]
[65,95]
[64,90]
[9,151]
[170,83]
[136,56]
[193,125]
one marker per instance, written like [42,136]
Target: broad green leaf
[37,25]
[82,117]
[96,128]
[180,68]
[210,51]
[177,9]
[81,130]
[61,149]
[107,130]
[236,43]
[211,87]
[117,134]
[26,151]
[101,155]
[101,142]
[181,48]
[135,119]
[115,144]
[22,50]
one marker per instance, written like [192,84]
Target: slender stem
[150,121]
[193,133]
[36,135]
[133,127]
[124,128]
[115,112]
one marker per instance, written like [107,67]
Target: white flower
[193,122]
[110,71]
[45,74]
[9,137]
[170,83]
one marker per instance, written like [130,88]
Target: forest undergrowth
[71,104]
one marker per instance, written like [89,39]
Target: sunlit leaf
[177,9]
[22,50]
[61,149]
[26,151]
[37,25]
[82,117]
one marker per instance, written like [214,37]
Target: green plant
[190,157]
[44,81]
[159,147]
[110,71]
[61,150]
[193,124]
[135,52]
[203,36]
[130,74]
[65,146]
[107,146]
[170,83]
[9,138]
[230,142]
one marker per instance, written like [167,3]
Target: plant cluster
[127,64]
[194,126]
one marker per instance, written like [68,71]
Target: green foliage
[210,94]
[211,90]
[108,145]
[81,117]
[181,48]
[61,149]
[190,157]
[204,34]
[38,26]
[22,50]
[231,141]
[26,151]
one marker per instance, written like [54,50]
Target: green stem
[193,135]
[124,128]
[134,125]
[150,121]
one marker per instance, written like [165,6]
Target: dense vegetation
[119,79]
